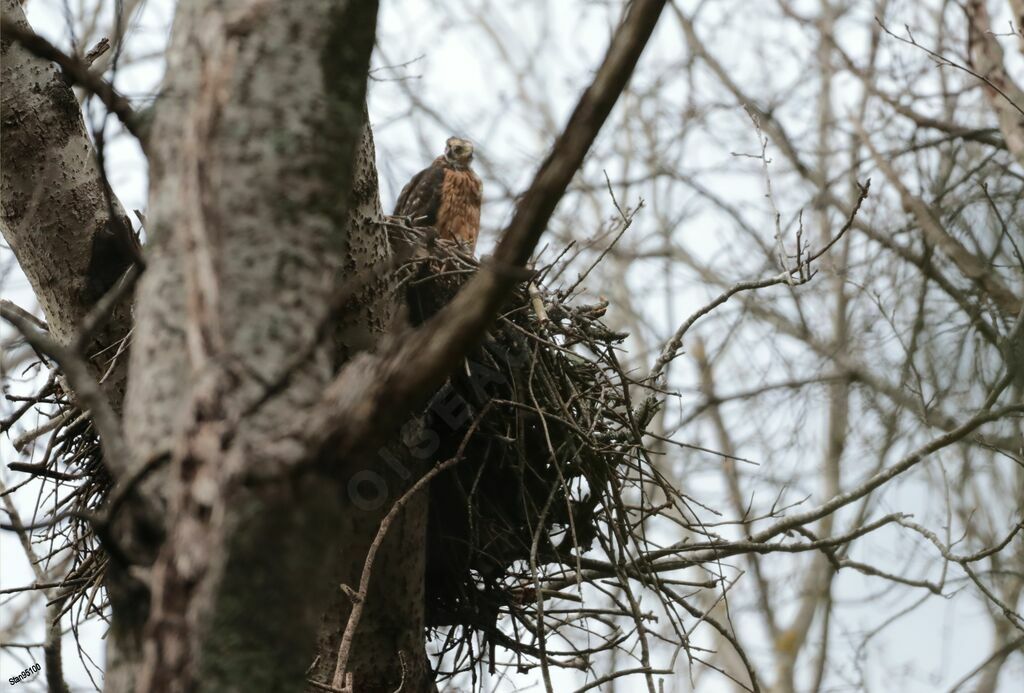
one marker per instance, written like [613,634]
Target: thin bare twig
[86,388]
[78,72]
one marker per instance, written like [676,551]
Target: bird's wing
[421,197]
[403,197]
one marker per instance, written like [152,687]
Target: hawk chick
[446,195]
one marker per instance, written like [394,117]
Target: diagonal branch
[967,262]
[1004,95]
[52,645]
[359,598]
[67,230]
[372,392]
[86,388]
[671,348]
[877,480]
[77,71]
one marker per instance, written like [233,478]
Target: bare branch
[972,267]
[389,383]
[86,389]
[78,72]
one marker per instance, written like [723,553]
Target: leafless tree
[813,243]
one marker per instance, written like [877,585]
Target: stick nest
[550,434]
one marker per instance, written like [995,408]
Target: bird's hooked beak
[458,152]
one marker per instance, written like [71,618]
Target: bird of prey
[446,195]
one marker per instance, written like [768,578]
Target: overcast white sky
[554,45]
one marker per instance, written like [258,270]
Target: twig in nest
[86,388]
[538,303]
[340,670]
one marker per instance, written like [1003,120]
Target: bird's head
[458,152]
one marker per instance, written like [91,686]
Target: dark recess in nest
[536,470]
[556,440]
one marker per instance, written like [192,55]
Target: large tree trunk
[65,228]
[70,235]
[268,467]
[264,210]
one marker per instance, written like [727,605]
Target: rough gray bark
[67,234]
[1004,95]
[269,467]
[254,237]
[68,240]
